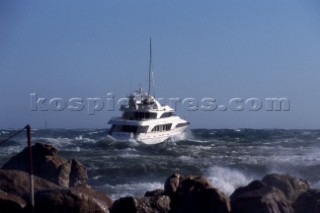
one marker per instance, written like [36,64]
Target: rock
[171,184]
[153,193]
[156,204]
[259,197]
[99,197]
[78,175]
[192,194]
[162,203]
[81,199]
[308,201]
[11,203]
[291,186]
[216,201]
[124,205]
[59,185]
[69,200]
[18,183]
[48,165]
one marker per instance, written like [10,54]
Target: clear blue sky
[216,48]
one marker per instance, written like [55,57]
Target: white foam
[97,177]
[129,155]
[89,140]
[297,156]
[226,179]
[198,141]
[95,132]
[130,149]
[131,189]
[78,138]
[3,132]
[180,137]
[203,147]
[81,138]
[10,150]
[58,142]
[185,158]
[190,137]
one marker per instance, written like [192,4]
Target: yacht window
[182,124]
[161,128]
[166,114]
[139,115]
[125,128]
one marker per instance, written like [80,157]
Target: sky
[224,50]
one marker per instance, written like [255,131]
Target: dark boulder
[172,183]
[259,197]
[18,183]
[74,200]
[48,165]
[80,199]
[124,205]
[155,204]
[291,186]
[59,185]
[78,174]
[11,203]
[308,201]
[192,194]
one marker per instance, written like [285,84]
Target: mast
[150,66]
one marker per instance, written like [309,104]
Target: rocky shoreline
[61,187]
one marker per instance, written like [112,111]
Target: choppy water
[228,157]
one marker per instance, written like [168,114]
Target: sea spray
[226,179]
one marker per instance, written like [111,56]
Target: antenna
[150,66]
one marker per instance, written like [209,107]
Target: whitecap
[82,139]
[187,135]
[185,158]
[10,150]
[59,142]
[97,177]
[306,133]
[131,189]
[198,141]
[203,147]
[130,149]
[128,155]
[94,132]
[78,138]
[3,132]
[226,179]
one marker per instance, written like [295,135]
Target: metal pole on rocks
[28,128]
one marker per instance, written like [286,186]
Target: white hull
[149,138]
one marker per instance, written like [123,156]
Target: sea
[229,158]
